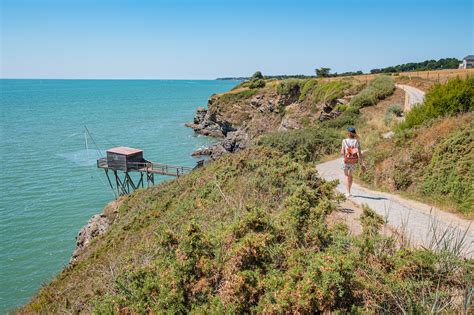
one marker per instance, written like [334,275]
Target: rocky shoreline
[208,124]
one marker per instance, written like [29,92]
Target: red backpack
[351,155]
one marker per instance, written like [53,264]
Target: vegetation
[308,88]
[444,63]
[257,84]
[432,163]
[236,96]
[290,86]
[450,171]
[322,72]
[307,144]
[329,91]
[350,117]
[316,93]
[249,234]
[257,76]
[395,109]
[376,90]
[454,97]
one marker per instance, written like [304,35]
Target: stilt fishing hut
[125,160]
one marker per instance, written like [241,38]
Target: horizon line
[137,79]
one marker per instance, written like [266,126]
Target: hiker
[352,154]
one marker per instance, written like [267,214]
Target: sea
[51,133]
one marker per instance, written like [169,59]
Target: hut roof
[124,151]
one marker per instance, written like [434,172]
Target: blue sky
[184,39]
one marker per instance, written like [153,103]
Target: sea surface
[49,183]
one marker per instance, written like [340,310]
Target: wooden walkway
[125,184]
[150,167]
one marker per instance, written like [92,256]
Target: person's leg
[349,182]
[346,173]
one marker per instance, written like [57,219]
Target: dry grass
[410,157]
[430,77]
[373,117]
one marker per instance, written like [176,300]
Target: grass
[432,163]
[454,97]
[249,234]
[237,96]
[377,89]
[307,144]
[289,86]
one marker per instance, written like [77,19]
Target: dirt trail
[414,219]
[422,224]
[412,96]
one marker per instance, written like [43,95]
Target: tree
[256,76]
[323,72]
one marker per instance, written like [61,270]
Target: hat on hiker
[351,130]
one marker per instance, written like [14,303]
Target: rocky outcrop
[209,124]
[263,104]
[233,142]
[97,225]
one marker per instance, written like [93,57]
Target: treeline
[267,77]
[443,63]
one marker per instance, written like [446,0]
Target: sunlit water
[49,183]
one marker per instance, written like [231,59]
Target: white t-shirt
[350,142]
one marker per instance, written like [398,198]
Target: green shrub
[449,175]
[395,109]
[234,97]
[377,89]
[249,234]
[256,76]
[306,144]
[256,84]
[290,86]
[350,117]
[454,97]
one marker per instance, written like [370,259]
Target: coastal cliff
[241,115]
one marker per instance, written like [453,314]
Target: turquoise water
[49,183]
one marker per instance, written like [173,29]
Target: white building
[467,62]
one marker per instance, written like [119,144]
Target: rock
[256,102]
[287,124]
[209,124]
[217,151]
[326,116]
[202,151]
[97,225]
[233,142]
[200,115]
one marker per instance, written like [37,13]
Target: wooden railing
[151,167]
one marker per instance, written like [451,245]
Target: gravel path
[421,224]
[412,96]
